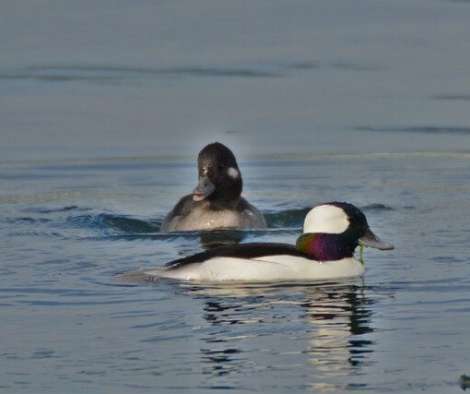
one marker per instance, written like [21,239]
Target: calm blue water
[103,108]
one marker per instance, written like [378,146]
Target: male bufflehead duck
[216,202]
[324,251]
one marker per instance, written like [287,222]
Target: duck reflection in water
[340,320]
[322,328]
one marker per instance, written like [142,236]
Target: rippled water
[70,324]
[103,108]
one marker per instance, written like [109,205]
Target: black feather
[243,251]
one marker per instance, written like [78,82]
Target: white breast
[275,268]
[204,219]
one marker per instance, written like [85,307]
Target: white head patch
[233,173]
[326,219]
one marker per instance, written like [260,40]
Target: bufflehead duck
[216,201]
[325,250]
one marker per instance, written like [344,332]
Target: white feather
[233,173]
[262,269]
[326,219]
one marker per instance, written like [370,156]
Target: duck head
[332,231]
[220,180]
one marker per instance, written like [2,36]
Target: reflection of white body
[266,269]
[331,314]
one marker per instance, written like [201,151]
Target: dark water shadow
[347,66]
[418,129]
[115,223]
[213,239]
[118,74]
[452,97]
[286,218]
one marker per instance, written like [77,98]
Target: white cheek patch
[233,173]
[326,219]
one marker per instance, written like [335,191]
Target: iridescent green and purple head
[333,230]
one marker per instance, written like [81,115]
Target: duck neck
[326,247]
[226,195]
[219,204]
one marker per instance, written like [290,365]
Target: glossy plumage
[316,256]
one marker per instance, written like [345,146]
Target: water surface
[103,109]
[69,230]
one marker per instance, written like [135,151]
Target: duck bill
[203,189]
[371,240]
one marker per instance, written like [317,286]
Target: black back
[244,251]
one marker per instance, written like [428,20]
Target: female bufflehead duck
[216,202]
[324,251]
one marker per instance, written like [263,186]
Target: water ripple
[113,222]
[97,73]
[418,129]
[452,97]
[67,208]
[112,74]
[377,207]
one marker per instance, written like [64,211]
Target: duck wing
[181,209]
[243,251]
